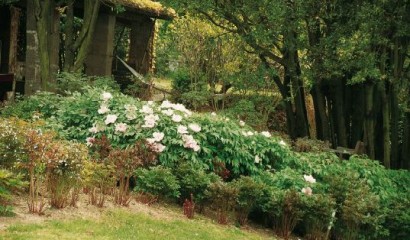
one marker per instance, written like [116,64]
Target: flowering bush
[168,129]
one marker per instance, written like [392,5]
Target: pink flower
[176,118]
[121,127]
[189,142]
[106,96]
[110,119]
[194,127]
[307,191]
[103,109]
[309,178]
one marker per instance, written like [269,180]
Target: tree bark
[369,123]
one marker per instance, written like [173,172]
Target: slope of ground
[137,221]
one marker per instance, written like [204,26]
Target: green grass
[119,224]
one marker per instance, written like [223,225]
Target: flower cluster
[154,142]
[307,190]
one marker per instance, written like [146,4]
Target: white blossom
[111,118]
[266,134]
[103,109]
[194,127]
[106,96]
[176,118]
[182,129]
[121,127]
[309,178]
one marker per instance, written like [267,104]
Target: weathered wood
[141,52]
[14,29]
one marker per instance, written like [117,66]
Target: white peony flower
[121,127]
[151,140]
[309,178]
[249,133]
[241,123]
[176,118]
[182,129]
[282,143]
[257,159]
[266,134]
[166,104]
[147,109]
[103,109]
[194,127]
[168,112]
[94,129]
[111,118]
[307,191]
[106,96]
[158,136]
[213,114]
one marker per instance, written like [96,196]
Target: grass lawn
[122,224]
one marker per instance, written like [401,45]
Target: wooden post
[141,46]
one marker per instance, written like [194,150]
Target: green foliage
[194,180]
[158,181]
[249,193]
[75,82]
[42,104]
[11,141]
[9,183]
[222,197]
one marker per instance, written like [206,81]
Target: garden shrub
[11,141]
[193,180]
[201,139]
[98,179]
[222,197]
[158,181]
[64,161]
[9,183]
[75,82]
[249,192]
[42,104]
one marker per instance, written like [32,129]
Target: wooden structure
[18,35]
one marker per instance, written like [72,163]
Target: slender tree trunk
[386,123]
[369,123]
[69,53]
[81,46]
[340,114]
[322,120]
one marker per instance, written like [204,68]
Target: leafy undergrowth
[136,222]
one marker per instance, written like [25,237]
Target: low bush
[193,180]
[9,183]
[222,198]
[158,181]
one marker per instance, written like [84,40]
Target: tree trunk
[43,13]
[369,123]
[322,120]
[81,46]
[69,52]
